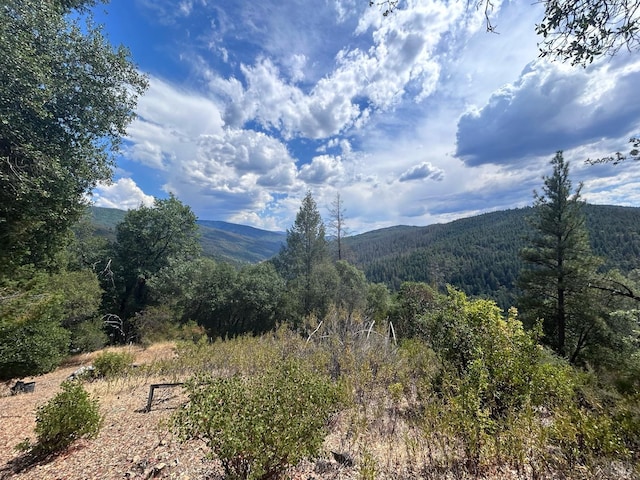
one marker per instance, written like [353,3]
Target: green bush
[112,364]
[67,417]
[32,341]
[259,425]
[88,336]
[585,435]
[494,377]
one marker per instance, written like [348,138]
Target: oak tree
[66,98]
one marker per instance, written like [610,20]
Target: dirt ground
[132,444]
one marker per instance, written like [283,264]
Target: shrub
[260,425]
[67,417]
[88,336]
[494,376]
[34,342]
[584,435]
[112,364]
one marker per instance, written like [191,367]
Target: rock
[83,372]
[343,459]
[23,387]
[155,470]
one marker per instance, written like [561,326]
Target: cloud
[322,169]
[261,101]
[168,122]
[123,194]
[387,61]
[423,171]
[551,107]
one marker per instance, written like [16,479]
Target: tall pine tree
[306,250]
[560,265]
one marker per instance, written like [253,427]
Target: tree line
[66,99]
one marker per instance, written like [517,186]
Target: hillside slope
[480,254]
[225,241]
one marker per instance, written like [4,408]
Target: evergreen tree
[305,250]
[559,266]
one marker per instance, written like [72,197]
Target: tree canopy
[577,31]
[560,265]
[306,249]
[146,241]
[66,98]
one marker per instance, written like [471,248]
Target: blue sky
[416,118]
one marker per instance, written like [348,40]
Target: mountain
[221,240]
[105,220]
[480,254]
[238,243]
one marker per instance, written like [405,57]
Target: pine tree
[560,265]
[305,250]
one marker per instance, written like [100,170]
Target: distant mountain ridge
[479,254]
[225,241]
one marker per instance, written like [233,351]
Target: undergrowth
[473,394]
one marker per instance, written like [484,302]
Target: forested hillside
[480,255]
[225,241]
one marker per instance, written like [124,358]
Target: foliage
[147,239]
[88,336]
[412,301]
[195,289]
[218,297]
[580,31]
[493,354]
[80,293]
[618,157]
[492,375]
[306,249]
[40,313]
[584,435]
[70,415]
[378,301]
[66,97]
[560,266]
[577,30]
[158,324]
[32,340]
[258,426]
[112,364]
[352,289]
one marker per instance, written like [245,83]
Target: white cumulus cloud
[123,194]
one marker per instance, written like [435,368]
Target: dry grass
[382,440]
[131,444]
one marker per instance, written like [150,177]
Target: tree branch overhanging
[575,31]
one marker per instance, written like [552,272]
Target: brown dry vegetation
[131,443]
[378,433]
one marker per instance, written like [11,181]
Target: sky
[414,118]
